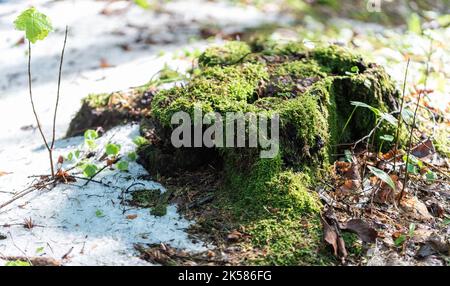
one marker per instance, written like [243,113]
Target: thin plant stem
[405,181]
[347,122]
[34,110]
[400,121]
[59,87]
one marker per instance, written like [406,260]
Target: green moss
[311,91]
[352,243]
[219,89]
[167,75]
[146,198]
[153,199]
[276,208]
[97,100]
[290,241]
[159,210]
[230,53]
[442,141]
[337,60]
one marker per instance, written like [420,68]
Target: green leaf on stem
[382,175]
[36,25]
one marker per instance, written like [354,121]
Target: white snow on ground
[67,212]
[90,219]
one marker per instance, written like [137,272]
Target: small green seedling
[89,139]
[385,138]
[382,175]
[37,26]
[353,70]
[75,155]
[112,149]
[132,156]
[378,113]
[122,166]
[89,170]
[413,165]
[431,176]
[140,141]
[99,213]
[400,241]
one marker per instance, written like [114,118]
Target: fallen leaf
[19,42]
[421,235]
[104,63]
[331,235]
[234,236]
[424,149]
[365,232]
[386,194]
[425,251]
[415,209]
[131,216]
[434,245]
[436,209]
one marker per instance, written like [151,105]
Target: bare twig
[34,109]
[18,248]
[30,190]
[65,256]
[58,92]
[400,121]
[405,181]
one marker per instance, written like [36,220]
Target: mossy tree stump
[311,90]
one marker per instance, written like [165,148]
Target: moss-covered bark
[311,90]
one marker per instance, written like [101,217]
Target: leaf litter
[394,231]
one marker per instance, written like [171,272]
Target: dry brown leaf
[386,194]
[415,209]
[234,236]
[131,216]
[365,232]
[332,236]
[4,173]
[104,63]
[424,149]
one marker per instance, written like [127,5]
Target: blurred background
[116,44]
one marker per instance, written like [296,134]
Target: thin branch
[59,87]
[414,122]
[22,194]
[34,109]
[400,121]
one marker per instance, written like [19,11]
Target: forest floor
[115,46]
